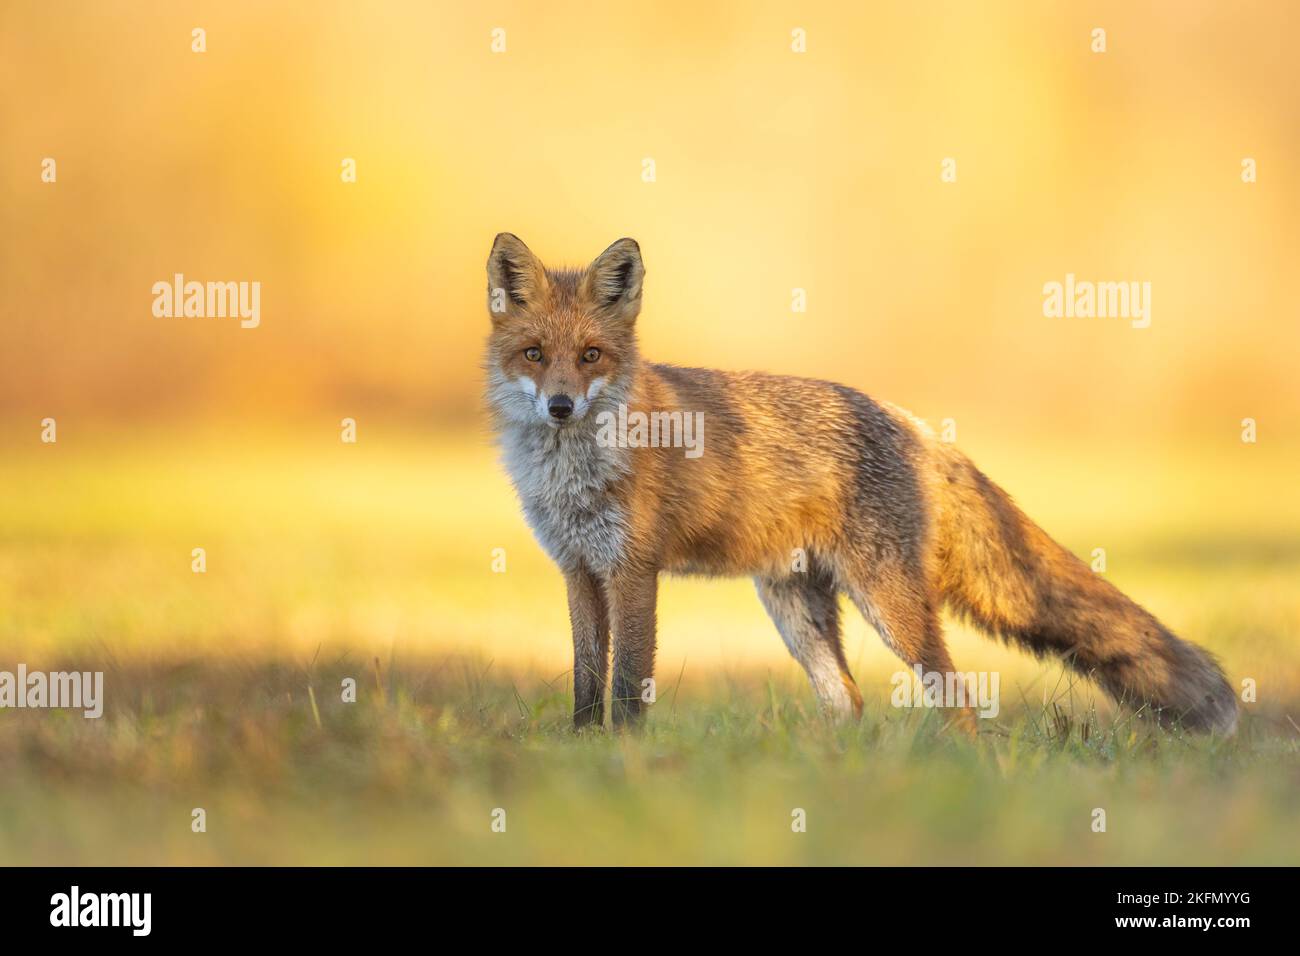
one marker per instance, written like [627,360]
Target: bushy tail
[1003,572]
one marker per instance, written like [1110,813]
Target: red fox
[878,508]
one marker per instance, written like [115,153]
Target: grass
[412,772]
[223,690]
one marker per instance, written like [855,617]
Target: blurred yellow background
[775,170]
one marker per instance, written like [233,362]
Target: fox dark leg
[632,595]
[805,609]
[590,619]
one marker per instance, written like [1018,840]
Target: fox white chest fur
[563,479]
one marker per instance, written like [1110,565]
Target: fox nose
[560,406]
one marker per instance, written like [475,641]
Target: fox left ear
[613,280]
[516,277]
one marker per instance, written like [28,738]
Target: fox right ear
[613,281]
[516,277]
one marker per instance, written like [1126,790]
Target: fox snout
[560,406]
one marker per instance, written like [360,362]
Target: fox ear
[613,281]
[516,277]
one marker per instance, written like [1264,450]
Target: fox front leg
[632,594]
[590,619]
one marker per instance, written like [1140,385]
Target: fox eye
[533,354]
[591,355]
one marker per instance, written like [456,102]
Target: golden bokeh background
[775,170]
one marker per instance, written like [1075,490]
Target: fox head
[561,339]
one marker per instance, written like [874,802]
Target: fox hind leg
[903,612]
[805,609]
